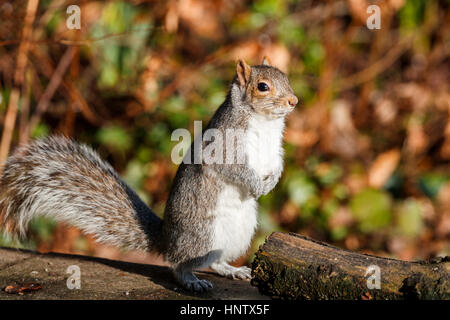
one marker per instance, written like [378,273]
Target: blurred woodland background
[367,150]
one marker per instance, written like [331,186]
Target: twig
[75,42]
[25,110]
[81,103]
[374,69]
[54,83]
[47,69]
[11,114]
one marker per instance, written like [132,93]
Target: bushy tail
[59,178]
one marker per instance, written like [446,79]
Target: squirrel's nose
[293,101]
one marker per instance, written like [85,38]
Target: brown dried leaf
[417,140]
[278,53]
[396,4]
[20,289]
[12,289]
[341,218]
[383,167]
[385,111]
[201,17]
[356,182]
[358,10]
[301,138]
[288,213]
[342,137]
[33,286]
[171,18]
[367,296]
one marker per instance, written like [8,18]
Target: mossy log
[291,266]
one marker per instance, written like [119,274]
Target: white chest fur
[235,214]
[235,220]
[263,143]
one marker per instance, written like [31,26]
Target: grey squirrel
[211,214]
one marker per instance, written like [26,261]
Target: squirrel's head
[265,89]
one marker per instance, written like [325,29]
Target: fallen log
[291,266]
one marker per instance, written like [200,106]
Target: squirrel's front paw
[242,273]
[231,272]
[259,188]
[269,181]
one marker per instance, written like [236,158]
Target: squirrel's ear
[243,71]
[266,61]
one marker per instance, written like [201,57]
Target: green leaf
[339,233]
[409,218]
[340,191]
[372,209]
[329,174]
[412,14]
[270,7]
[431,183]
[115,137]
[301,188]
[43,227]
[40,131]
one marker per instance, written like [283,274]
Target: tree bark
[291,266]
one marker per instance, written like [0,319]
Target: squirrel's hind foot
[198,285]
[190,282]
[225,270]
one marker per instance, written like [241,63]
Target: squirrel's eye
[263,86]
